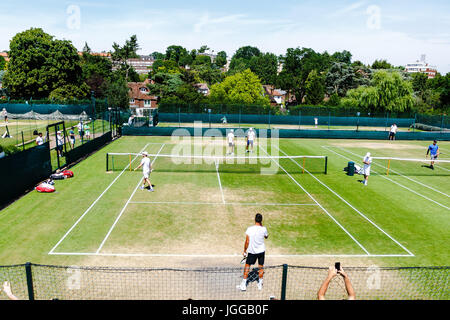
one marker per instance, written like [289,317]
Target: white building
[421,66]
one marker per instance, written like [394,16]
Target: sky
[399,31]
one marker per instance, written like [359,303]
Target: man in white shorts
[230,138]
[250,139]
[254,249]
[146,170]
[366,169]
[39,139]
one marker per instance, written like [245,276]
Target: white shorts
[433,156]
[366,171]
[146,174]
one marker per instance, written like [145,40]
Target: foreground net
[283,282]
[410,167]
[230,163]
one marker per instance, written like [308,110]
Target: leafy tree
[165,84]
[40,64]
[314,88]
[343,57]
[164,66]
[334,100]
[265,66]
[387,92]
[203,49]
[117,92]
[70,92]
[121,54]
[241,88]
[221,59]
[241,58]
[2,63]
[158,55]
[178,54]
[419,83]
[96,71]
[297,65]
[208,74]
[199,60]
[382,64]
[342,77]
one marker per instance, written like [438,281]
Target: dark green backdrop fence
[285,133]
[21,171]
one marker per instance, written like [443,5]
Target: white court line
[227,203]
[230,255]
[93,204]
[397,183]
[351,206]
[220,183]
[125,206]
[441,167]
[324,210]
[392,170]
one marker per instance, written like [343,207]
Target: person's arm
[140,165]
[247,240]
[323,289]
[348,285]
[428,151]
[7,289]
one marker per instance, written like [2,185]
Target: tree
[203,49]
[241,88]
[164,66]
[121,54]
[96,71]
[40,64]
[343,57]
[382,64]
[241,58]
[221,59]
[387,92]
[314,88]
[265,66]
[70,92]
[342,77]
[297,65]
[178,54]
[165,84]
[117,92]
[2,63]
[158,55]
[419,83]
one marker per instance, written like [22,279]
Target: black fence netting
[282,282]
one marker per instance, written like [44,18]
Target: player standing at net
[366,169]
[250,139]
[255,247]
[230,138]
[146,170]
[433,151]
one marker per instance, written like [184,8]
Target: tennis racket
[243,259]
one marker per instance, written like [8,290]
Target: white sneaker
[243,286]
[142,188]
[260,284]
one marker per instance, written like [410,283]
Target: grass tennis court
[198,213]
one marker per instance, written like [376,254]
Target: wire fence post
[23,142]
[29,281]
[284,282]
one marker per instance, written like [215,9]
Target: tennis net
[411,167]
[231,164]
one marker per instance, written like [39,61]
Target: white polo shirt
[367,166]
[231,137]
[145,162]
[256,235]
[251,135]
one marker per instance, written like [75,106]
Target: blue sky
[398,30]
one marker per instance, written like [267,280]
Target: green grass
[33,225]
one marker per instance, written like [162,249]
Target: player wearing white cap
[366,169]
[250,139]
[146,170]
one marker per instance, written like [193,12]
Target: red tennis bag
[45,188]
[68,173]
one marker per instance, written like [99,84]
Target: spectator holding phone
[333,272]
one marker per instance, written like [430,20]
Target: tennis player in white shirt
[146,170]
[366,169]
[251,134]
[254,249]
[230,138]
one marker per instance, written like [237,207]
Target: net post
[326,164]
[107,157]
[284,282]
[29,281]
[389,165]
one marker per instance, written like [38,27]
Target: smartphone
[337,265]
